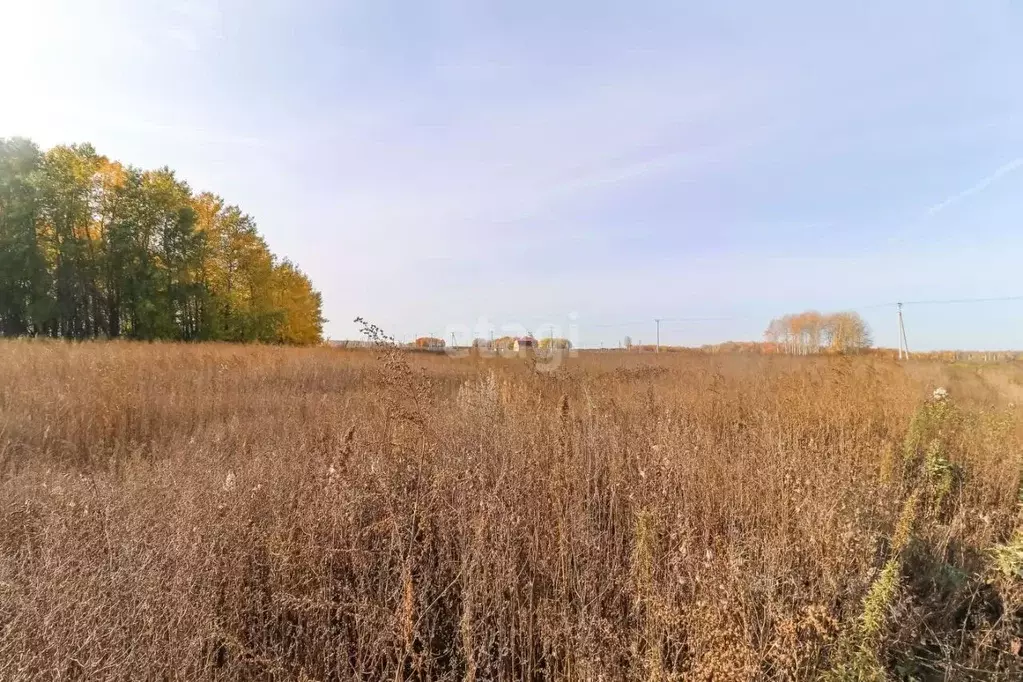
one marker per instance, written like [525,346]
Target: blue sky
[588,165]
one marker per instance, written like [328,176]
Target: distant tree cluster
[92,248]
[429,342]
[548,343]
[812,332]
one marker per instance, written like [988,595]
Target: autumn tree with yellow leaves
[91,248]
[812,332]
[549,344]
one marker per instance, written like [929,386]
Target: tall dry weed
[234,513]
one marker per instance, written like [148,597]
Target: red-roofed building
[524,343]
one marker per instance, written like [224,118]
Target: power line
[904,347]
[899,305]
[965,300]
[894,304]
[672,320]
[706,319]
[618,324]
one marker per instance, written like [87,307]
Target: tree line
[814,332]
[91,248]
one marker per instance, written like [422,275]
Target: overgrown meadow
[233,512]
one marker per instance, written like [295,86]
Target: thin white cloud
[1000,173]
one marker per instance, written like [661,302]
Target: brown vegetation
[226,512]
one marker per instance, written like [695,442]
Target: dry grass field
[223,512]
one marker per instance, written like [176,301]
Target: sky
[466,166]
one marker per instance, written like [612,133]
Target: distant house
[524,344]
[429,343]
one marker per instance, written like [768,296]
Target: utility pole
[657,348]
[903,344]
